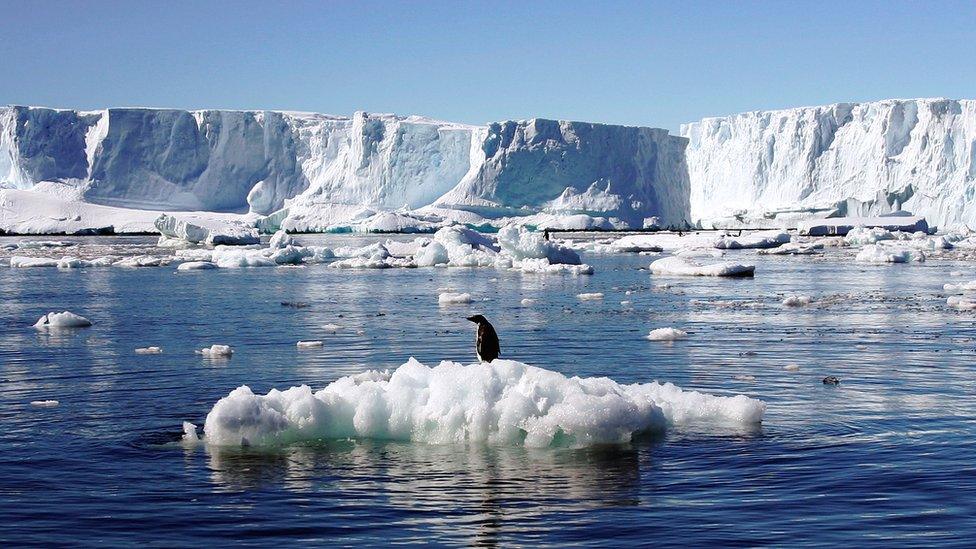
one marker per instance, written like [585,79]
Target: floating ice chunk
[503,402]
[143,261]
[308,344]
[761,239]
[230,257]
[962,302]
[745,377]
[521,244]
[875,253]
[956,273]
[196,266]
[792,367]
[792,248]
[861,236]
[211,231]
[680,267]
[447,298]
[190,432]
[590,296]
[797,300]
[215,351]
[18,262]
[543,266]
[64,319]
[73,263]
[45,403]
[149,350]
[281,239]
[666,334]
[332,328]
[34,244]
[198,254]
[432,254]
[527,302]
[963,287]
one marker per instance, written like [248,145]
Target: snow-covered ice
[503,402]
[592,296]
[309,344]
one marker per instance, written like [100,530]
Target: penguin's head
[478,319]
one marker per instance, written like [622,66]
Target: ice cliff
[307,168]
[845,159]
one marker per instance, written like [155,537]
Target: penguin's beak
[472,319]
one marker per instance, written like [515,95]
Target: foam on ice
[503,402]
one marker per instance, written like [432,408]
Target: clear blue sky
[642,63]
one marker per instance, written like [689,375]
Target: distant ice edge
[306,171]
[504,403]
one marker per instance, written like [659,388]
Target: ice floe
[677,266]
[875,253]
[503,402]
[308,344]
[593,296]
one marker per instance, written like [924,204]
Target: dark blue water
[885,458]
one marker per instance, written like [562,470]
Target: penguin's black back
[488,347]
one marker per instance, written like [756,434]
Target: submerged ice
[503,402]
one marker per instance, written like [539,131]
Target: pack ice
[503,402]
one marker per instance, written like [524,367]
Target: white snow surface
[502,403]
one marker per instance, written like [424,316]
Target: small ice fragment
[666,334]
[44,403]
[331,328]
[528,301]
[743,377]
[149,350]
[190,432]
[590,296]
[956,273]
[196,266]
[64,319]
[625,302]
[792,367]
[797,300]
[309,344]
[451,298]
[216,351]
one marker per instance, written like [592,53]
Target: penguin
[488,348]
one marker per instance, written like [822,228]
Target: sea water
[884,457]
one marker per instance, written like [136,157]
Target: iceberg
[846,159]
[502,403]
[317,172]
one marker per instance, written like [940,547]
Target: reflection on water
[885,457]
